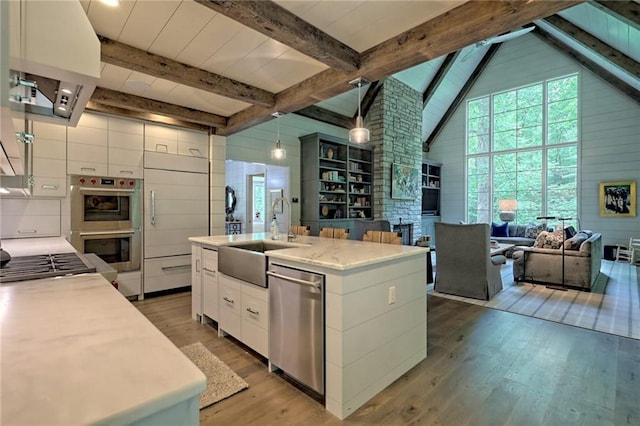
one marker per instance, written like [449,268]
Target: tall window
[522,144]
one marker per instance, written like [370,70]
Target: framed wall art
[618,199]
[405,182]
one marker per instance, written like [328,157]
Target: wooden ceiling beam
[627,11]
[278,23]
[437,79]
[122,55]
[462,94]
[369,97]
[592,66]
[147,116]
[460,27]
[620,59]
[326,116]
[125,101]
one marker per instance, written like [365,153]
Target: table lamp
[507,207]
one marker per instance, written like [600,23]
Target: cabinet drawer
[167,273]
[209,259]
[230,300]
[22,218]
[254,311]
[49,187]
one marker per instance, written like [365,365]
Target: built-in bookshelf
[336,180]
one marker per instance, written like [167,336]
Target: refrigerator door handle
[153,207]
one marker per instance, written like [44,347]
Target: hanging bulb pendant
[278,153]
[359,134]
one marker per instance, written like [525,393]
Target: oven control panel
[104,182]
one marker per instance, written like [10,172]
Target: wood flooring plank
[483,367]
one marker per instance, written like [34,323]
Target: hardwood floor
[483,367]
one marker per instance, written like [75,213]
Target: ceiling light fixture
[359,134]
[111,3]
[278,153]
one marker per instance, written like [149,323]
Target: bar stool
[337,233]
[300,230]
[386,237]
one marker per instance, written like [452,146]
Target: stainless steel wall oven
[105,219]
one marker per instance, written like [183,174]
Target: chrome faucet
[290,235]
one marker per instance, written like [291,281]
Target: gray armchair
[465,266]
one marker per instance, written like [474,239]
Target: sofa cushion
[574,242]
[532,230]
[498,230]
[549,240]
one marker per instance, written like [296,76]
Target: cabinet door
[87,146]
[194,144]
[125,155]
[49,160]
[230,297]
[210,283]
[160,139]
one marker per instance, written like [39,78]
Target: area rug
[612,307]
[222,382]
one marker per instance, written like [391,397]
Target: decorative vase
[329,153]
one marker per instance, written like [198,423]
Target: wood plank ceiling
[228,65]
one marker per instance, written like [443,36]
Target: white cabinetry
[244,313]
[28,218]
[204,283]
[87,146]
[125,148]
[105,146]
[175,141]
[49,160]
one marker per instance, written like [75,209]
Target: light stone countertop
[35,246]
[326,252]
[74,351]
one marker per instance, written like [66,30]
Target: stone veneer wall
[395,123]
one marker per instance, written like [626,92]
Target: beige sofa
[544,265]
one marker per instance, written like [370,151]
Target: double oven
[105,219]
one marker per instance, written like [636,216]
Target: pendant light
[278,153]
[359,134]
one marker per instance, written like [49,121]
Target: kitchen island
[375,309]
[75,351]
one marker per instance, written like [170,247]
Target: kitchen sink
[247,261]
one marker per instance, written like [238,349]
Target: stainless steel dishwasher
[296,325]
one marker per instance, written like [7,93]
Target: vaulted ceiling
[228,65]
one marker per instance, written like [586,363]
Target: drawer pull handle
[226,299]
[27,231]
[89,169]
[173,268]
[52,187]
[129,172]
[209,270]
[252,311]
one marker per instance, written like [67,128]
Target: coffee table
[501,248]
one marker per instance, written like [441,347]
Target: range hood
[49,75]
[57,67]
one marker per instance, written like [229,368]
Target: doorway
[256,207]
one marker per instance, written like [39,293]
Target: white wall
[609,132]
[255,145]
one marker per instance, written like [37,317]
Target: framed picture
[405,182]
[275,193]
[618,199]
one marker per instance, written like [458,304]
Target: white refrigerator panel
[176,207]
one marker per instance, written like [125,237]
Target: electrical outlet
[392,295]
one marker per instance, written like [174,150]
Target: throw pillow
[499,230]
[532,230]
[576,241]
[570,232]
[549,240]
